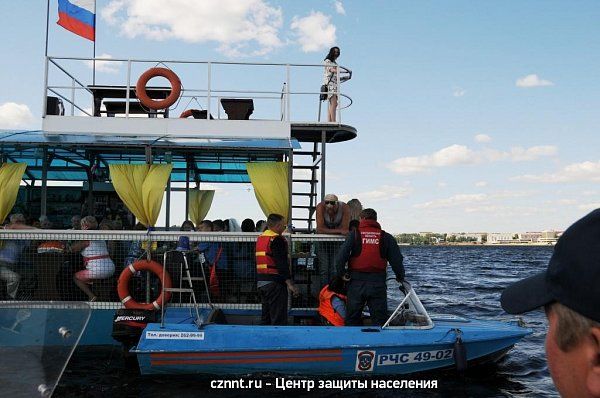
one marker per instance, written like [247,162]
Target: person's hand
[293,288]
[401,285]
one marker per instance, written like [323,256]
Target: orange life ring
[187,113]
[123,285]
[140,88]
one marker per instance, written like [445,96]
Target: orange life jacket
[265,263]
[369,259]
[326,309]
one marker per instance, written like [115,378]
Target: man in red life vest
[273,272]
[367,252]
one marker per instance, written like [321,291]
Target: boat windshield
[38,339]
[410,313]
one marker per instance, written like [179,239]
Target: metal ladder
[306,201]
[184,266]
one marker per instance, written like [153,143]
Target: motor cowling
[128,325]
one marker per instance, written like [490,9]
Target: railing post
[208,100]
[287,87]
[72,97]
[128,88]
[45,96]
[339,96]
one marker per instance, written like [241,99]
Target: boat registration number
[412,357]
[163,335]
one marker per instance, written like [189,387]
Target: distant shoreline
[482,244]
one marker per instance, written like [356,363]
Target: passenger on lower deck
[273,272]
[96,259]
[332,302]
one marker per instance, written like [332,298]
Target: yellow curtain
[200,202]
[10,178]
[141,188]
[270,183]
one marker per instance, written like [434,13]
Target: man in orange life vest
[273,272]
[367,252]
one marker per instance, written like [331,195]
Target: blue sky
[472,116]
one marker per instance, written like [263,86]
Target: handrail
[285,96]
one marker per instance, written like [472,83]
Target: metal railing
[59,80]
[39,265]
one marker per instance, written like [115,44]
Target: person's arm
[338,306]
[343,254]
[79,246]
[280,255]
[394,256]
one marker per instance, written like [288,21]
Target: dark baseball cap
[572,277]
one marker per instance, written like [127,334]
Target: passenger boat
[223,335]
[230,342]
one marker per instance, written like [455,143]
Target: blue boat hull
[318,350]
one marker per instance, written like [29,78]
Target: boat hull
[318,350]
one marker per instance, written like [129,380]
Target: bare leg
[333,102]
[84,287]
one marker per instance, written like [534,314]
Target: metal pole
[187,189]
[47,26]
[287,86]
[128,88]
[323,145]
[45,96]
[168,205]
[94,69]
[208,102]
[339,97]
[72,97]
[44,182]
[290,186]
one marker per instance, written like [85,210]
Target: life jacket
[265,263]
[326,309]
[367,249]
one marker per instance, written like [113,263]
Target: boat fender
[125,277]
[140,88]
[460,354]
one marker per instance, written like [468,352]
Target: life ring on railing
[143,265]
[187,113]
[140,88]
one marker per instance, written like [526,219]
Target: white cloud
[380,194]
[314,32]
[589,206]
[483,138]
[339,7]
[481,184]
[105,66]
[458,91]
[461,155]
[533,80]
[576,172]
[442,184]
[239,28]
[13,115]
[456,200]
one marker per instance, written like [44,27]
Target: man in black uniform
[367,252]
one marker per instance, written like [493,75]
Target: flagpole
[95,38]
[47,25]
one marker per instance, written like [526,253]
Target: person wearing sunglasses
[333,217]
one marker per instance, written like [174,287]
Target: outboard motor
[460,353]
[129,323]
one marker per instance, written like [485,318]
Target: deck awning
[72,156]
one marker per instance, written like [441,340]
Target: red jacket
[368,257]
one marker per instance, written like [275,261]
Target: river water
[460,280]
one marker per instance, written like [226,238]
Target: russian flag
[78,17]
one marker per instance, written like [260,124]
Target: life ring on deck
[140,88]
[187,113]
[143,265]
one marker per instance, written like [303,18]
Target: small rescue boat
[230,342]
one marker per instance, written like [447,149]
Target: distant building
[530,237]
[549,237]
[496,238]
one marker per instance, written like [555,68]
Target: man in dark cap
[569,291]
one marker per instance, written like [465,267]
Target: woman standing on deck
[331,81]
[96,259]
